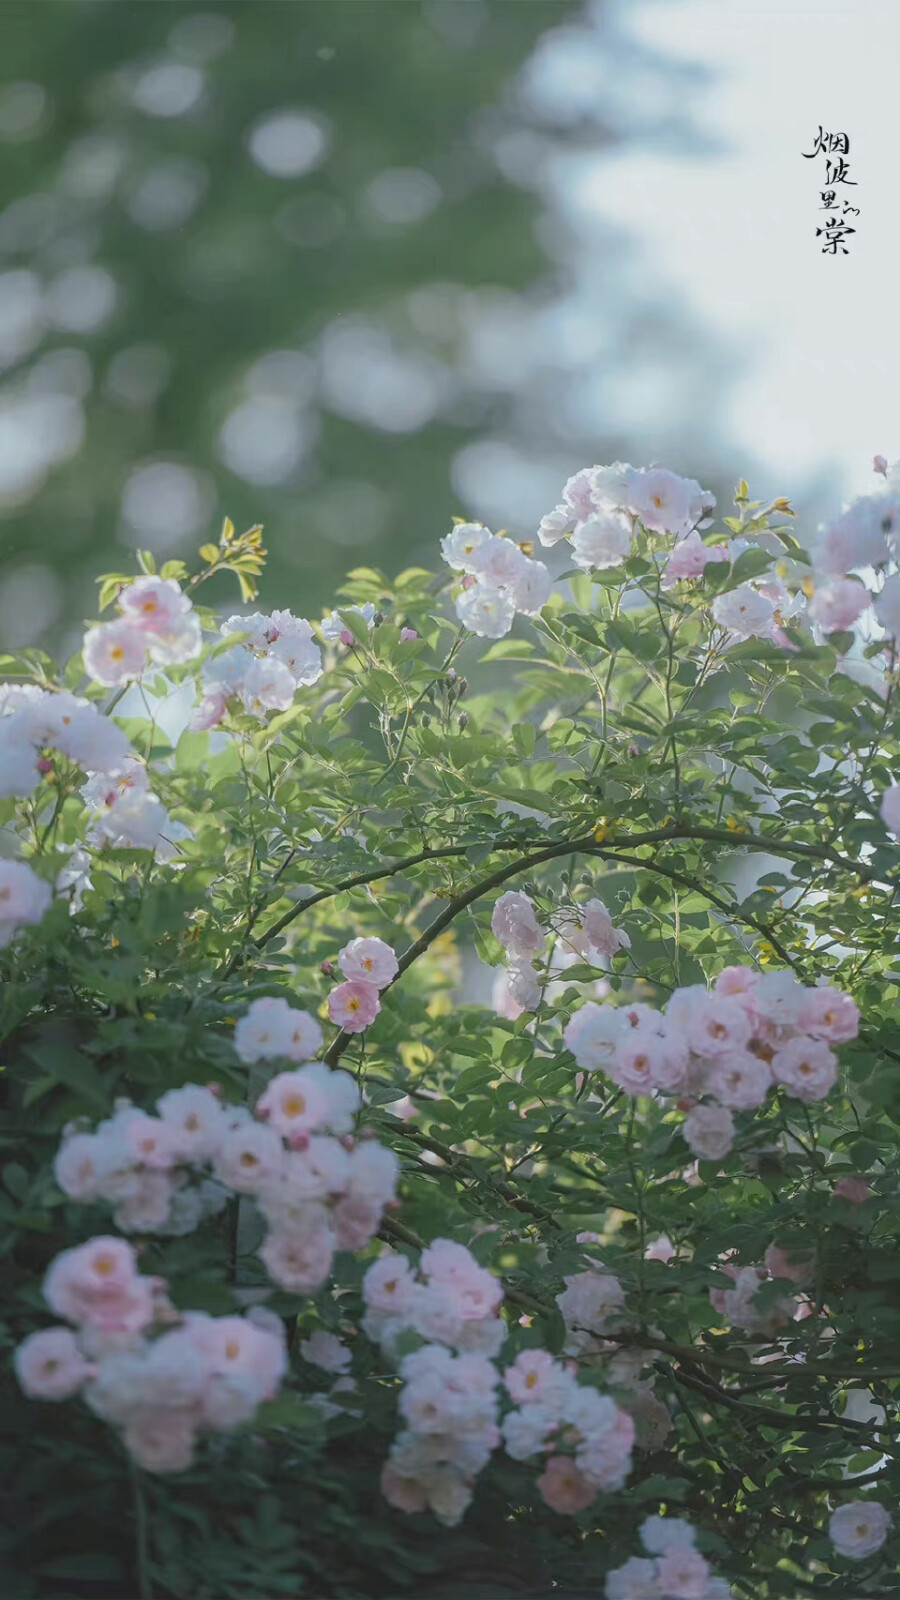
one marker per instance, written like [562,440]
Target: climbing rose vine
[451,1063]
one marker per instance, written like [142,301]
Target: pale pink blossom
[153,605]
[660,1535]
[50,1366]
[535,1378]
[839,604]
[690,558]
[501,999]
[486,611]
[858,1528]
[404,1494]
[323,1349]
[593,1034]
[162,1440]
[210,712]
[532,588]
[271,1028]
[248,1156]
[709,1132]
[497,562]
[556,525]
[388,1285]
[603,541]
[661,1249]
[460,546]
[515,924]
[563,1488]
[523,985]
[354,1006]
[635,1580]
[683,1574]
[300,1264]
[196,1118]
[24,898]
[806,1067]
[114,652]
[744,612]
[310,1099]
[97,1284]
[590,930]
[369,961]
[830,1014]
[150,1142]
[605,1459]
[739,1080]
[267,685]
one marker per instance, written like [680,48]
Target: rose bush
[323,1275]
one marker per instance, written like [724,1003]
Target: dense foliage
[582,1287]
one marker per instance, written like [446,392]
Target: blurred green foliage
[216,262]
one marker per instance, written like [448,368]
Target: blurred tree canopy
[251,259]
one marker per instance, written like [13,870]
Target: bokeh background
[349,267]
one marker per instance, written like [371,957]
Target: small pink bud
[216,1089]
[686,1104]
[634,749]
[347,1141]
[299,1140]
[328,969]
[346,636]
[880,465]
[45,765]
[469,582]
[407,635]
[263,1113]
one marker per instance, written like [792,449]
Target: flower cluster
[127,815]
[158,625]
[740,1305]
[24,899]
[449,1403]
[586,1438]
[600,506]
[586,932]
[499,579]
[593,1309]
[161,1388]
[37,724]
[318,1188]
[728,1047]
[369,965]
[452,1301]
[449,1406]
[515,925]
[674,1570]
[269,659]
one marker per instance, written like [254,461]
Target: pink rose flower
[369,961]
[354,1006]
[563,1488]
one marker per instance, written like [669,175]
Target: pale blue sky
[818,380]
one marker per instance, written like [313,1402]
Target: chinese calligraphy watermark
[835,147]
